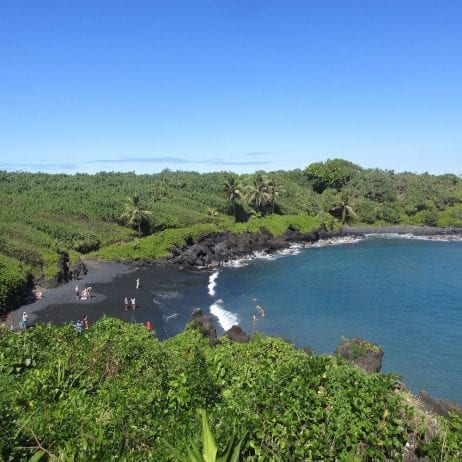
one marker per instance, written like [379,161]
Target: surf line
[212,283]
[226,319]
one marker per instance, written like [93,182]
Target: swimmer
[254,299]
[261,310]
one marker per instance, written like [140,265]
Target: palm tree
[232,188]
[135,213]
[274,190]
[257,192]
[344,206]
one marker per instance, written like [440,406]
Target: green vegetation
[117,393]
[128,216]
[135,214]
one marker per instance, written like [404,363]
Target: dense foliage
[44,215]
[117,393]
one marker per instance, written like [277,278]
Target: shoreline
[398,229]
[108,300]
[111,282]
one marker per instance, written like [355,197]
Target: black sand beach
[111,282]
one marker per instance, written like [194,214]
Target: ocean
[403,293]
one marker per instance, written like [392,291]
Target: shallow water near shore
[403,294]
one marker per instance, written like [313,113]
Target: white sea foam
[168,294]
[238,263]
[427,237]
[336,241]
[212,283]
[225,318]
[174,315]
[293,249]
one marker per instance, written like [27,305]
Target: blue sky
[241,85]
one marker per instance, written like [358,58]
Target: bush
[13,279]
[116,392]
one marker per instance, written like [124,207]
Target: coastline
[111,281]
[107,278]
[397,229]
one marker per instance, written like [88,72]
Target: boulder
[237,334]
[366,355]
[205,325]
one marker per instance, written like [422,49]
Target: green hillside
[45,216]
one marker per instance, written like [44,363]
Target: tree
[135,213]
[257,192]
[274,190]
[333,173]
[232,189]
[376,185]
[344,207]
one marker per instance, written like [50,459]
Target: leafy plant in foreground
[209,452]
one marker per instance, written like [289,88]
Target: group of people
[84,294]
[260,309]
[132,303]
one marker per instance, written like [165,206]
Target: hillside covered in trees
[45,218]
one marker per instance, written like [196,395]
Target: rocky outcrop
[237,334]
[366,355]
[205,325]
[439,406]
[213,250]
[77,269]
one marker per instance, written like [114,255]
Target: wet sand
[111,282]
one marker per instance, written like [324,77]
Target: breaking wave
[225,318]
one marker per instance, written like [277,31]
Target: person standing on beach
[24,320]
[85,321]
[126,303]
[137,283]
[133,300]
[77,292]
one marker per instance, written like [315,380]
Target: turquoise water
[404,294]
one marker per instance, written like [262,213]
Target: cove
[403,294]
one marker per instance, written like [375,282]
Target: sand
[111,282]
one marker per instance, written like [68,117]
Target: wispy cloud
[253,154]
[37,167]
[138,160]
[174,160]
[235,162]
[122,163]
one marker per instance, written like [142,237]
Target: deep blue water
[405,295]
